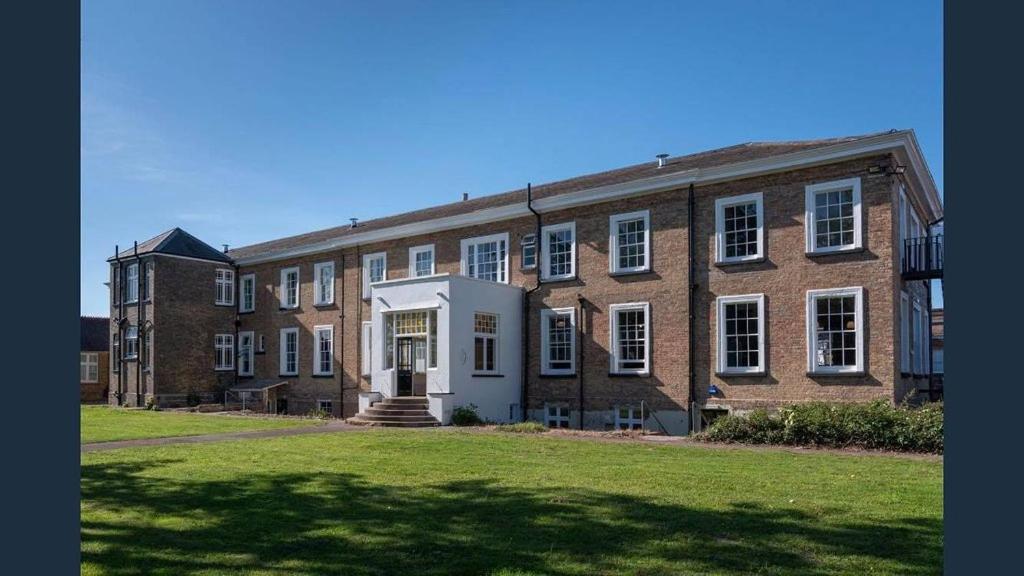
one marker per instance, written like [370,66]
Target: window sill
[557,279]
[475,375]
[615,273]
[840,252]
[246,312]
[227,369]
[857,374]
[260,352]
[323,305]
[287,309]
[629,374]
[323,375]
[728,263]
[224,304]
[246,376]
[556,376]
[758,374]
[288,375]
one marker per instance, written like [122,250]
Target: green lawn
[103,424]
[456,502]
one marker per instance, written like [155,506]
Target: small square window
[556,416]
[629,418]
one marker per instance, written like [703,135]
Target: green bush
[877,425]
[528,427]
[466,416]
[318,414]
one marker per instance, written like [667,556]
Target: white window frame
[810,192]
[545,258]
[247,280]
[721,204]
[222,342]
[131,351]
[366,357]
[320,405]
[613,242]
[90,363]
[367,259]
[811,317]
[416,250]
[248,353]
[613,338]
[904,332]
[635,417]
[261,343]
[318,297]
[131,284]
[468,244]
[282,367]
[285,272]
[545,336]
[496,336]
[722,302]
[224,281]
[317,358]
[528,240]
[559,418]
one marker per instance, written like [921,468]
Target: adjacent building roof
[95,334]
[177,242]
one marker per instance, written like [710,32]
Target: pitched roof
[711,158]
[94,334]
[179,243]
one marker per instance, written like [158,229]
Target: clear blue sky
[243,121]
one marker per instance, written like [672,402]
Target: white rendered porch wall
[495,396]
[453,383]
[408,294]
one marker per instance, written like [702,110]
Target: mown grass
[456,502]
[104,424]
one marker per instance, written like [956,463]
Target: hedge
[877,425]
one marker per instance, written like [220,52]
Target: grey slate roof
[95,334]
[179,243]
[708,159]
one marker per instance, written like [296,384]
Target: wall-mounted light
[712,390]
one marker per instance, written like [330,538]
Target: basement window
[628,418]
[556,416]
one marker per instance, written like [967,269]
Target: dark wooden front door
[404,366]
[282,405]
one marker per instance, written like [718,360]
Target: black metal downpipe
[691,208]
[524,391]
[138,327]
[341,316]
[118,283]
[580,331]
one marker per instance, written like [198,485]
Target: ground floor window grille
[557,416]
[629,418]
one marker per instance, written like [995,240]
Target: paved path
[332,426]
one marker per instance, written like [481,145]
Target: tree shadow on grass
[330,523]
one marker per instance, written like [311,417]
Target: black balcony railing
[923,258]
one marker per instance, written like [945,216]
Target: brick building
[661,295]
[93,359]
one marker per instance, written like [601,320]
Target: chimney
[465,196]
[355,222]
[661,159]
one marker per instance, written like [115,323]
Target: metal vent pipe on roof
[355,222]
[661,159]
[465,196]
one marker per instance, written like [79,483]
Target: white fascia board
[844,150]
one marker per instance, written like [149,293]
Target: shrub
[466,416]
[528,427]
[318,413]
[877,425]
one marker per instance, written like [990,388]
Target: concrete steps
[401,412]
